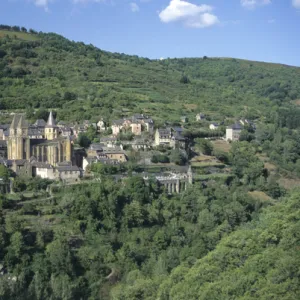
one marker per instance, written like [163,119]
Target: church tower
[51,130]
[18,142]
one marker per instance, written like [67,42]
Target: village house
[117,126]
[233,132]
[88,161]
[68,173]
[61,124]
[184,119]
[77,129]
[94,150]
[118,155]
[137,144]
[200,117]
[171,137]
[101,126]
[40,123]
[163,136]
[65,131]
[145,121]
[86,124]
[136,124]
[97,149]
[214,126]
[136,128]
[44,171]
[109,142]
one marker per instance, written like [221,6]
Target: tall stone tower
[68,149]
[51,130]
[18,142]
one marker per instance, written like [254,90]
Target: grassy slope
[20,35]
[219,87]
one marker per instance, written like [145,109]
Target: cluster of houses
[47,149]
[135,125]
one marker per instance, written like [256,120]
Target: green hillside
[47,70]
[258,261]
[232,234]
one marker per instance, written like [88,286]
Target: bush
[205,146]
[178,157]
[160,158]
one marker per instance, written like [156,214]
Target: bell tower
[18,138]
[51,130]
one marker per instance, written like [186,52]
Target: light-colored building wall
[68,175]
[213,127]
[119,156]
[116,129]
[101,126]
[149,127]
[158,140]
[136,128]
[85,163]
[48,173]
[233,134]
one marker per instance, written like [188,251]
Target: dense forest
[236,237]
[132,240]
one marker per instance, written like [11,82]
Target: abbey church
[40,140]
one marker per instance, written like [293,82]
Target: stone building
[200,117]
[233,132]
[136,125]
[4,132]
[39,140]
[175,182]
[170,137]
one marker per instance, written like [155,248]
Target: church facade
[41,141]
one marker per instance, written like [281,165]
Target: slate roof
[113,151]
[108,139]
[236,126]
[164,131]
[18,122]
[51,122]
[42,165]
[150,121]
[40,123]
[118,122]
[68,168]
[20,162]
[6,162]
[63,164]
[34,130]
[4,126]
[178,129]
[97,147]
